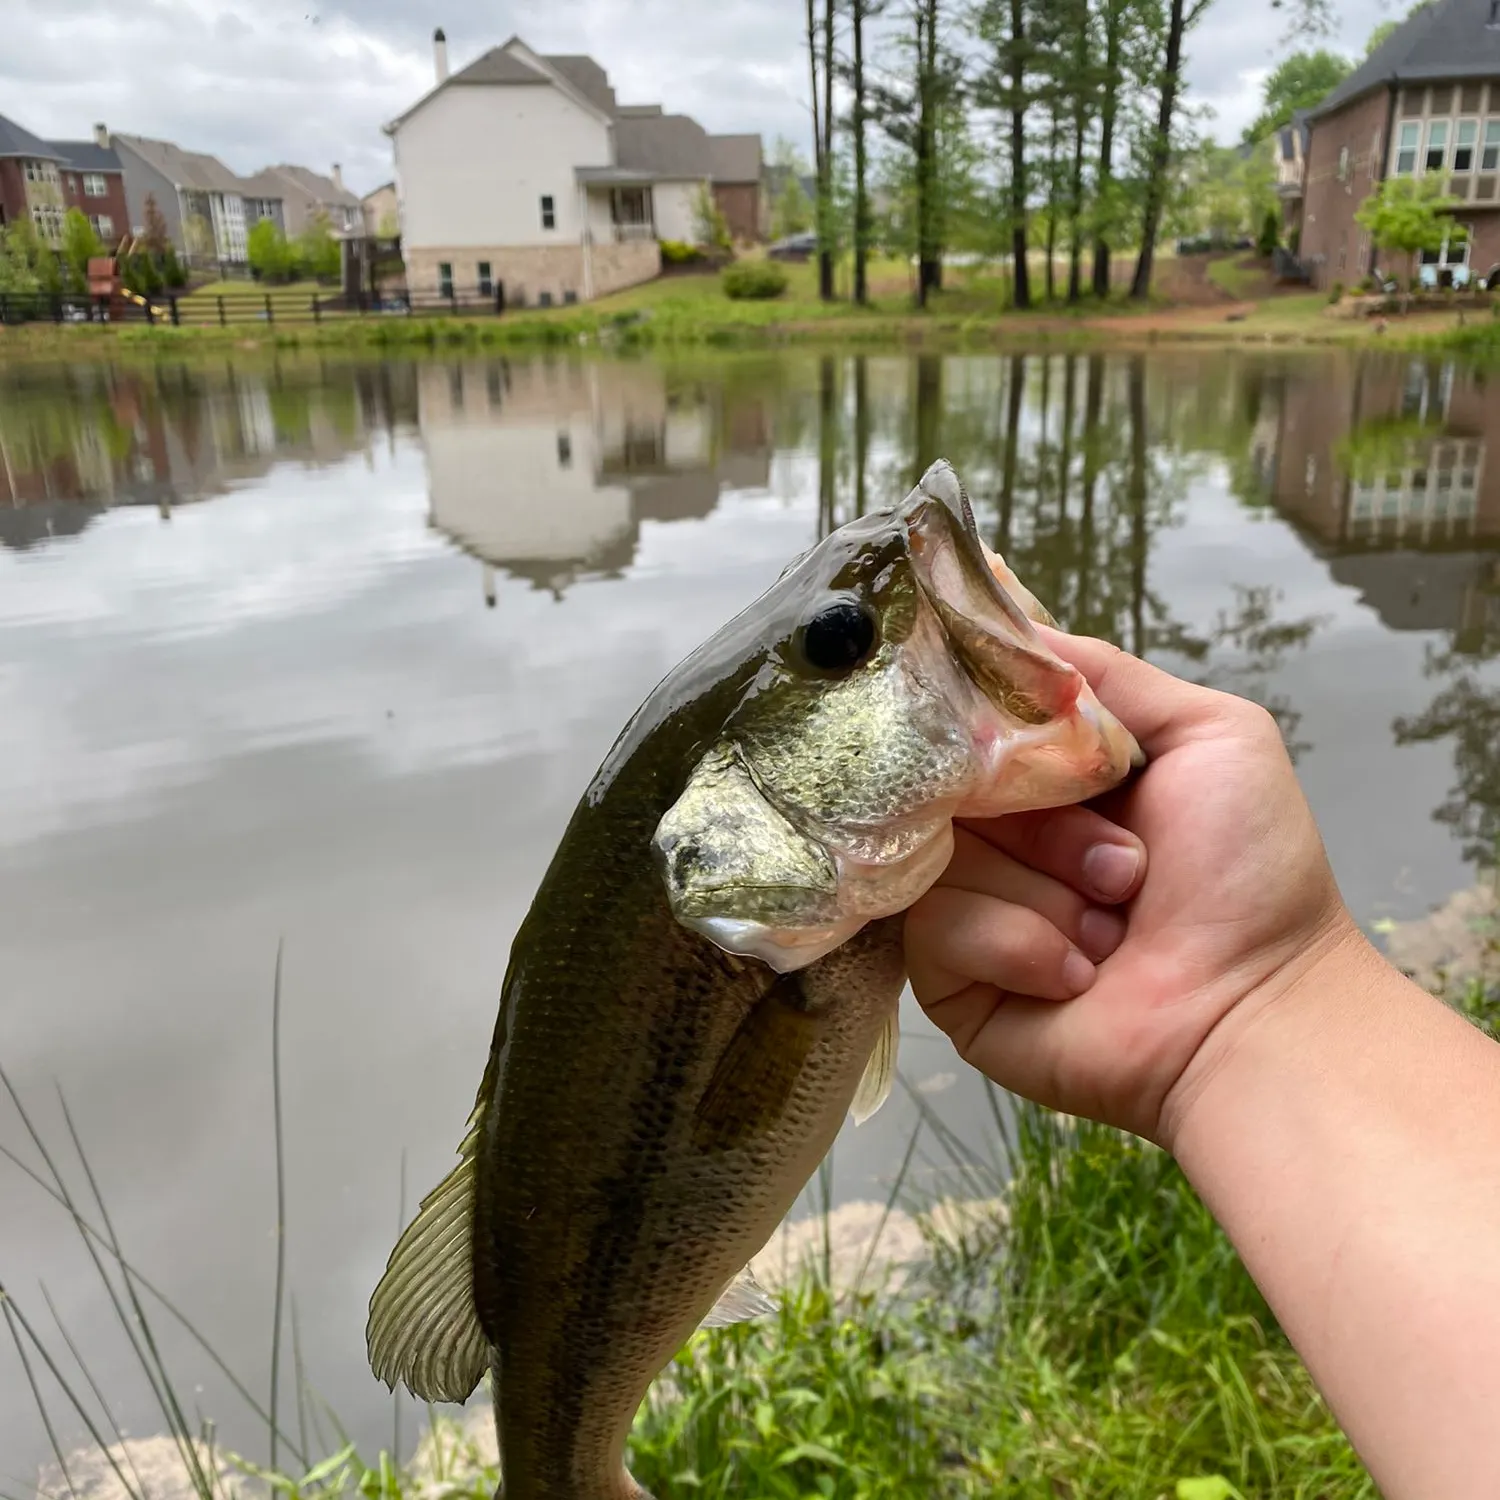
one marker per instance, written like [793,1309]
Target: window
[549,214]
[1489,158]
[1463,145]
[94,185]
[104,226]
[564,450]
[1437,145]
[486,281]
[570,296]
[445,278]
[1343,164]
[544,299]
[1406,147]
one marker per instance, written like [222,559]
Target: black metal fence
[241,308]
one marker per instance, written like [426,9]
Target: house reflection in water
[1386,470]
[98,438]
[545,470]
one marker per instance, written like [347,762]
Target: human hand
[1236,901]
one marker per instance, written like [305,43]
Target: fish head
[895,685]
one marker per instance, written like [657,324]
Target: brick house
[1425,102]
[737,173]
[31,181]
[94,184]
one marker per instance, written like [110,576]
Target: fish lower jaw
[782,949]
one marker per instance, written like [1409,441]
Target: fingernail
[1077,973]
[1110,869]
[1100,933]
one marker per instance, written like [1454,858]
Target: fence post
[57,307]
[317,311]
[176,316]
[220,300]
[4,308]
[453,304]
[150,311]
[499,298]
[270,315]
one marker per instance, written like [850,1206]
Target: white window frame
[1429,145]
[1472,145]
[95,185]
[1409,130]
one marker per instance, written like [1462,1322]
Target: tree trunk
[1075,186]
[934,258]
[1108,107]
[1022,292]
[861,197]
[1052,141]
[928,267]
[1084,615]
[1161,154]
[820,156]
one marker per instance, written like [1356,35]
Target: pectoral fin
[880,1072]
[423,1328]
[744,1298]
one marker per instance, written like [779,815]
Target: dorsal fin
[423,1328]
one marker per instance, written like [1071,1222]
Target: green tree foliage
[1407,215]
[317,251]
[22,256]
[791,208]
[80,245]
[271,256]
[1298,82]
[710,227]
[173,273]
[1223,192]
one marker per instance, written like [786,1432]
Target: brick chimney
[101,135]
[440,55]
[338,176]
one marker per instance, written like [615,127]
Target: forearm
[1349,1142]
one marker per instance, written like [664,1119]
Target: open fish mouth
[991,635]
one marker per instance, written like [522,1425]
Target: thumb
[1160,710]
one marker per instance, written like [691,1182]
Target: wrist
[1314,1004]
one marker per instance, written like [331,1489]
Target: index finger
[1160,710]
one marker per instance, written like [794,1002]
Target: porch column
[587,242]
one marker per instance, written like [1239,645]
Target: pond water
[323,653]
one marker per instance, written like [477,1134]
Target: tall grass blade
[93,1386]
[162,1384]
[301,1373]
[88,1232]
[36,1391]
[280,1201]
[890,1202]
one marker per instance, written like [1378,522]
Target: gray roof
[88,156]
[263,184]
[735,158]
[194,170]
[1445,39]
[671,146]
[499,66]
[14,141]
[587,77]
[322,189]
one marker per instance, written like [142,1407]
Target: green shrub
[757,280]
[678,253]
[1336,292]
[1270,233]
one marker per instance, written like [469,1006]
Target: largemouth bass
[707,981]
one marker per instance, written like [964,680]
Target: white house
[521,172]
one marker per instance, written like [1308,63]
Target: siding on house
[1345,164]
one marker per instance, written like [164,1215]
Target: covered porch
[618,204]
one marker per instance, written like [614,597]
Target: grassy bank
[972,311]
[1088,1332]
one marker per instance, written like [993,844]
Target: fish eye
[839,637]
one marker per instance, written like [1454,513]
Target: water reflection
[327,649]
[546,470]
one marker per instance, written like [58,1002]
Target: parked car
[794,247]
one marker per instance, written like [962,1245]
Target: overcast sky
[312,81]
